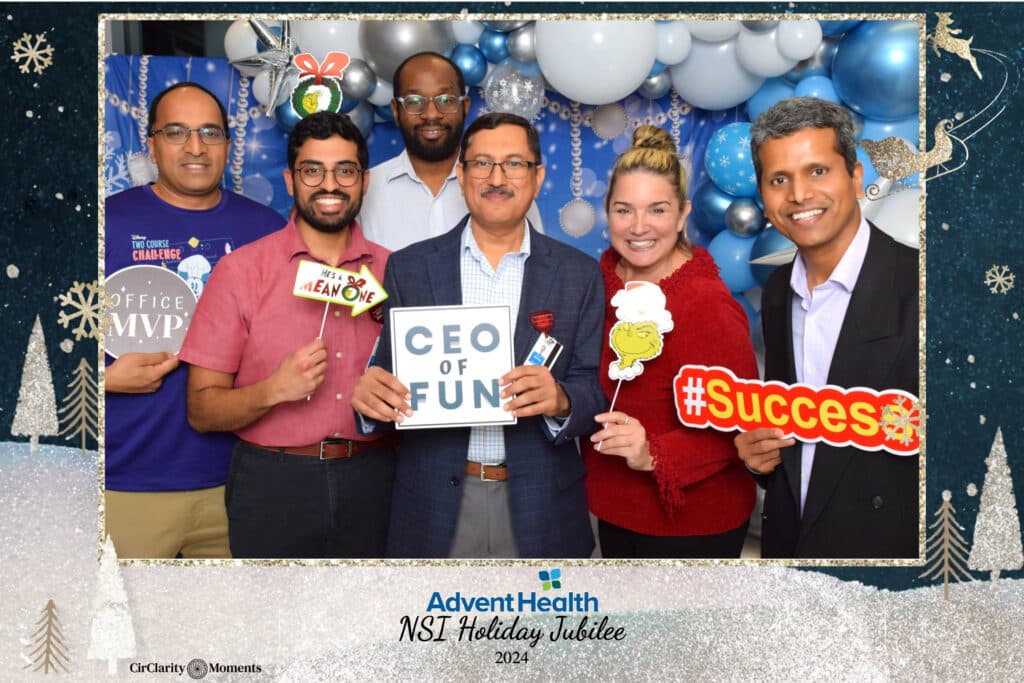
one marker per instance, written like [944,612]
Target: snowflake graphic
[900,420]
[999,279]
[37,55]
[86,302]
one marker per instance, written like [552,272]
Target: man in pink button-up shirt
[303,482]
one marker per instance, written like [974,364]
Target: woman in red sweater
[660,489]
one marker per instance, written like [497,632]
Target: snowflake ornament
[900,420]
[999,279]
[86,302]
[35,55]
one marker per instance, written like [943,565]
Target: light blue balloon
[727,160]
[494,45]
[817,86]
[471,63]
[731,253]
[879,130]
[773,90]
[656,68]
[833,28]
[709,207]
[768,242]
[875,69]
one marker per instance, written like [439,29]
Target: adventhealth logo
[550,579]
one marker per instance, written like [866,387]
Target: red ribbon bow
[333,65]
[358,283]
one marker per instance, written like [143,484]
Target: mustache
[494,189]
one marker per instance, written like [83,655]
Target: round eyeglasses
[514,169]
[179,135]
[346,174]
[417,104]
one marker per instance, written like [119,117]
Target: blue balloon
[348,104]
[748,308]
[727,160]
[384,111]
[875,69]
[471,63]
[494,45]
[833,28]
[731,253]
[879,130]
[697,237]
[773,90]
[362,116]
[528,68]
[656,68]
[870,174]
[285,116]
[768,242]
[817,86]
[709,207]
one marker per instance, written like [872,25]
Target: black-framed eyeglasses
[514,169]
[179,135]
[346,174]
[417,104]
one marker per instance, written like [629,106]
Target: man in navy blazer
[844,313]
[513,491]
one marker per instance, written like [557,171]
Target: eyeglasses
[346,174]
[417,104]
[179,135]
[514,169]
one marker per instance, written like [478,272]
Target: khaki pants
[163,524]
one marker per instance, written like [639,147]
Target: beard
[333,223]
[432,150]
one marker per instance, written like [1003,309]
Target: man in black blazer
[844,313]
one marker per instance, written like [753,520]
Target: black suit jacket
[860,504]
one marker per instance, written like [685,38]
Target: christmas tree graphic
[79,410]
[946,548]
[36,412]
[997,542]
[50,651]
[112,635]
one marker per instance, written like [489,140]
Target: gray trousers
[484,526]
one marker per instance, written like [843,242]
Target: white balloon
[713,31]
[261,87]
[320,37]
[673,42]
[897,216]
[595,62]
[467,32]
[382,94]
[798,39]
[758,54]
[240,42]
[712,76]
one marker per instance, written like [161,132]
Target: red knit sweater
[699,485]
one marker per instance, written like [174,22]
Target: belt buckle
[482,468]
[331,441]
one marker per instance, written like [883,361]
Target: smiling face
[645,221]
[808,194]
[189,174]
[327,207]
[431,136]
[496,203]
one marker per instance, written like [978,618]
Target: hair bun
[652,137]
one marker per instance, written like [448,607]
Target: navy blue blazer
[547,500]
[860,504]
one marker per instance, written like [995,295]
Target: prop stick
[640,333]
[323,321]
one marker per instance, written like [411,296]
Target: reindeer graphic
[943,37]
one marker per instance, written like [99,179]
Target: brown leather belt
[332,449]
[486,472]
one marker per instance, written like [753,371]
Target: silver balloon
[358,81]
[504,26]
[386,44]
[818,64]
[744,218]
[521,45]
[760,26]
[656,86]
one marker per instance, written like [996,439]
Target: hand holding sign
[379,395]
[761,449]
[534,392]
[138,373]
